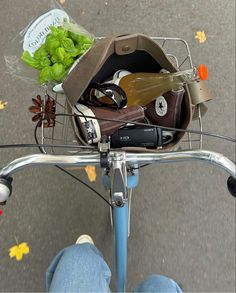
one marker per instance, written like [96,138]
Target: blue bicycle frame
[121,222]
[121,236]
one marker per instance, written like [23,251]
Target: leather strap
[199,94]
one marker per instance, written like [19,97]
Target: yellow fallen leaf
[62,1]
[19,250]
[201,36]
[91,172]
[2,105]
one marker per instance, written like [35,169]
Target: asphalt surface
[183,219]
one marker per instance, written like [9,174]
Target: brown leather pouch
[132,113]
[135,53]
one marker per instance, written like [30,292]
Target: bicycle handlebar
[130,158]
[94,158]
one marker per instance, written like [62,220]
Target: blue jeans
[81,268]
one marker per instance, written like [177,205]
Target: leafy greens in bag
[55,57]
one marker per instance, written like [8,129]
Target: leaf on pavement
[91,173]
[2,105]
[200,36]
[19,250]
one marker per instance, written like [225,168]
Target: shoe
[84,239]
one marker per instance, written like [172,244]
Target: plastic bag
[46,49]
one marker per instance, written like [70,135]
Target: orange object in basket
[202,72]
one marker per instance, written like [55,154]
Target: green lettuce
[58,71]
[31,61]
[51,44]
[41,52]
[68,45]
[45,61]
[59,32]
[45,75]
[68,61]
[55,57]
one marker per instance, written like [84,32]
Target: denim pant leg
[158,283]
[78,268]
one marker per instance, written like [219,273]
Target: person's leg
[158,283]
[78,268]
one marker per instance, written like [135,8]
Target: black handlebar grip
[231,184]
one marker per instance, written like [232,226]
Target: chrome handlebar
[130,158]
[117,161]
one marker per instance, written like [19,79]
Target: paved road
[183,220]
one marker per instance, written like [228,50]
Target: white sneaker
[84,239]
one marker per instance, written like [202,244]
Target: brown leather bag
[135,53]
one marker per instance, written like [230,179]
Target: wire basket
[63,133]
